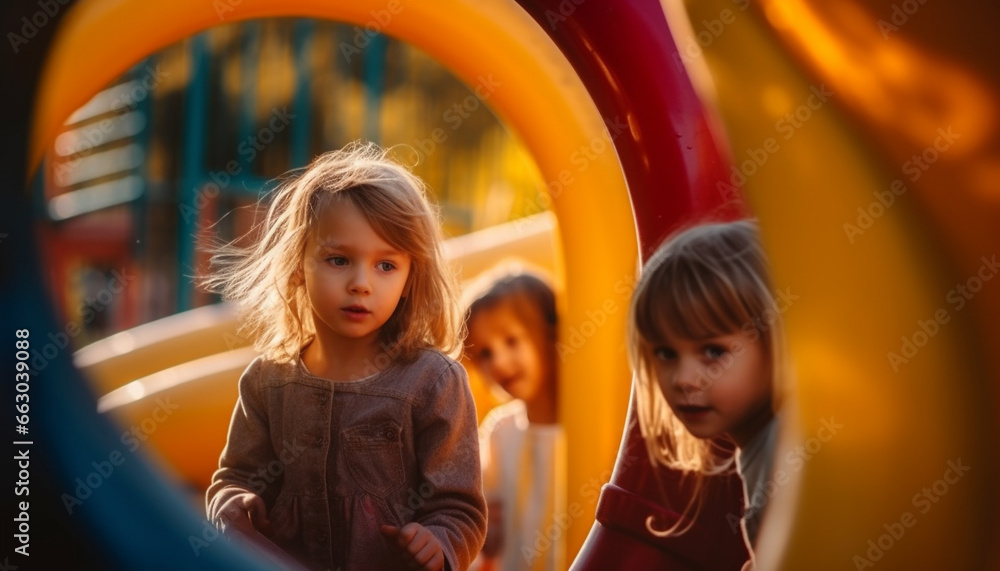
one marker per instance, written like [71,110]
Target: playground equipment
[904,417]
[541,101]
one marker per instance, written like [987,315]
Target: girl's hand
[420,549]
[245,513]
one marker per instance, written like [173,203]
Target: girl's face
[721,385]
[505,352]
[353,278]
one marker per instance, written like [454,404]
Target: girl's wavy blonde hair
[706,281]
[265,279]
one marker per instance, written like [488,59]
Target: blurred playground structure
[863,135]
[181,147]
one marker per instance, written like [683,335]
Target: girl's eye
[337,260]
[714,351]
[665,353]
[386,266]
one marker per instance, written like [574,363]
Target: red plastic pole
[625,55]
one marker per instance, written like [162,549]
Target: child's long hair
[706,281]
[265,279]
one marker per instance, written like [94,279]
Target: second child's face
[353,278]
[717,386]
[501,347]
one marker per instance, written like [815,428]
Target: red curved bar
[625,54]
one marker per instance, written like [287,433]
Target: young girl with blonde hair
[707,346]
[353,444]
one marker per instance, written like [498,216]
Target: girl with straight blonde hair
[354,443]
[707,347]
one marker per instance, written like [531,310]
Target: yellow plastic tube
[539,97]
